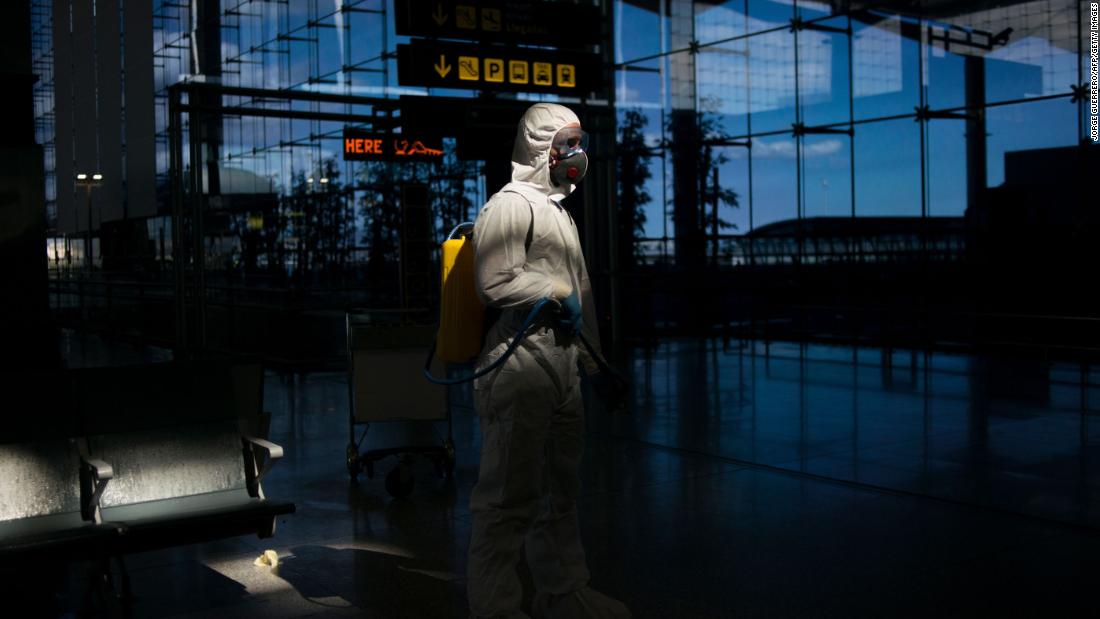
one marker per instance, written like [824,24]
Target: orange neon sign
[364,146]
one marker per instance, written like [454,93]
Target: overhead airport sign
[559,24]
[362,145]
[457,65]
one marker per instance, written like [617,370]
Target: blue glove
[570,317]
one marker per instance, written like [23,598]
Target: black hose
[530,320]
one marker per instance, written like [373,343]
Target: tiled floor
[747,482]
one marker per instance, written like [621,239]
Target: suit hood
[531,152]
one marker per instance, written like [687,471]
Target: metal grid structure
[795,83]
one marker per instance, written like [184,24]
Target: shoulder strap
[492,314]
[530,230]
[531,224]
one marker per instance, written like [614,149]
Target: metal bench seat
[56,536]
[45,482]
[183,470]
[171,522]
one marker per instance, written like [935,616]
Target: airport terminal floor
[749,481]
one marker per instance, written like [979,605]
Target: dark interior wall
[25,332]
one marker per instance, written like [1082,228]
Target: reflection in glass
[722,86]
[813,9]
[1033,51]
[771,81]
[765,14]
[717,22]
[884,65]
[944,76]
[823,74]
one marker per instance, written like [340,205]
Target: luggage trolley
[386,384]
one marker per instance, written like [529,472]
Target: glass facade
[42,65]
[778,132]
[860,114]
[834,114]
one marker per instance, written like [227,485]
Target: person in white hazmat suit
[526,248]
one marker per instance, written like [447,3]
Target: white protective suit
[531,411]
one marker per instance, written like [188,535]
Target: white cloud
[786,149]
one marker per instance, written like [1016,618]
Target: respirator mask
[568,159]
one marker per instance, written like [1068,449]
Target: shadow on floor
[388,583]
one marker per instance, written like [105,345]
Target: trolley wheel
[449,457]
[353,461]
[400,481]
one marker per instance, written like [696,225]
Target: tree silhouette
[452,184]
[711,193]
[633,172]
[318,221]
[703,133]
[381,212]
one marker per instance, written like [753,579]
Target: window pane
[826,174]
[715,22]
[639,85]
[1026,127]
[330,46]
[813,9]
[640,175]
[774,180]
[771,81]
[945,78]
[733,176]
[1037,57]
[300,65]
[884,66]
[721,84]
[658,215]
[765,14]
[946,167]
[888,168]
[365,43]
[637,32]
[823,74]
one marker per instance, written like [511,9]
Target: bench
[184,471]
[46,485]
[127,459]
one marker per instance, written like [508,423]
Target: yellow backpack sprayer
[462,314]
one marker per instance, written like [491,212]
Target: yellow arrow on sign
[439,16]
[441,67]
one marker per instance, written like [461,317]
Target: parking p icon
[494,70]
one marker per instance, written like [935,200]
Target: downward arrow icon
[439,16]
[441,67]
